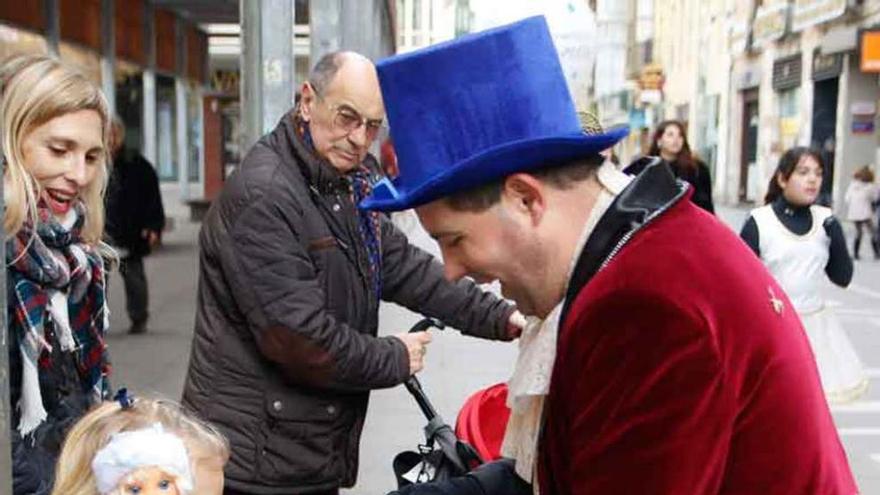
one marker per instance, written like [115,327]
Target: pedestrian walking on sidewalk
[861,196]
[802,244]
[135,221]
[285,349]
[54,123]
[663,357]
[670,143]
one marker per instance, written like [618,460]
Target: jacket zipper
[357,257]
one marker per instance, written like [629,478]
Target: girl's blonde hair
[33,91]
[73,473]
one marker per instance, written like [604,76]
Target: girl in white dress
[802,243]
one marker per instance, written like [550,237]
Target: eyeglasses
[348,119]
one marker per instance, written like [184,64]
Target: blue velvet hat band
[476,109]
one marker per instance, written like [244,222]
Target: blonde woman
[54,126]
[138,445]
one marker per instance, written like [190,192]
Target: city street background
[155,363]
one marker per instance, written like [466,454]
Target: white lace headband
[132,450]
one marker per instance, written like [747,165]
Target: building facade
[796,81]
[753,79]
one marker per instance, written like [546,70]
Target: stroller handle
[412,383]
[457,457]
[414,387]
[427,323]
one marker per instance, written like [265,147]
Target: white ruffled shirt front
[530,383]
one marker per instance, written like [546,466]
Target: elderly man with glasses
[285,349]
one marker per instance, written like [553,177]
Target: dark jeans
[872,238]
[136,294]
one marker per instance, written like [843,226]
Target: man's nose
[358,137]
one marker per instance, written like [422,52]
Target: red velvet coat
[682,368]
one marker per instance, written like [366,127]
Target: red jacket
[682,368]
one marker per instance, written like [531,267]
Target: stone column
[149,89]
[181,114]
[267,66]
[108,52]
[52,10]
[363,27]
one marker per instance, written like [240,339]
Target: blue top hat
[473,110]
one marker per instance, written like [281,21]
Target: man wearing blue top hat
[648,367]
[291,273]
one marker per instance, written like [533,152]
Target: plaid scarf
[369,222]
[46,269]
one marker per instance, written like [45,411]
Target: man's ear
[307,98]
[525,194]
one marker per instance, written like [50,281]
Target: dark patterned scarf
[369,225]
[55,258]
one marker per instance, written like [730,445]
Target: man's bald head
[342,86]
[328,66]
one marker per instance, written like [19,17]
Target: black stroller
[443,455]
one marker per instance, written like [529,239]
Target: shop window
[194,132]
[416,15]
[301,13]
[166,130]
[788,103]
[789,117]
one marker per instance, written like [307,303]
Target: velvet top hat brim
[521,156]
[476,109]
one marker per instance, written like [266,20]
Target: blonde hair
[73,473]
[33,91]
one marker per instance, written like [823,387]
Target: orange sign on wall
[870,43]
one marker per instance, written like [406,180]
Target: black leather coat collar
[650,194]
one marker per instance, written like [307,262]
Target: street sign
[870,50]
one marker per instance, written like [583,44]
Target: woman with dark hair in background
[802,243]
[670,143]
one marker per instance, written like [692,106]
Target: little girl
[141,446]
[802,243]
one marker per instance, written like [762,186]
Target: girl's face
[671,141]
[803,185]
[63,156]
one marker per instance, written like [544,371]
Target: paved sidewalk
[155,363]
